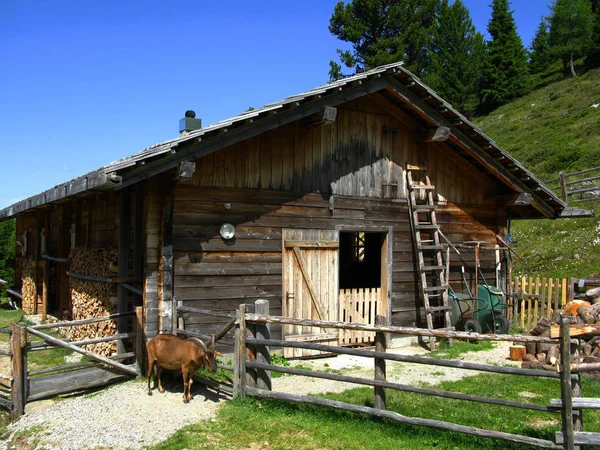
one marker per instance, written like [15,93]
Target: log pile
[28,287]
[585,325]
[93,298]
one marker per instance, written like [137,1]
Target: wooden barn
[327,203]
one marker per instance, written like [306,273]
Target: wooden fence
[252,374]
[27,385]
[573,186]
[533,298]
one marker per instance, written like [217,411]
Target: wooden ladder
[431,269]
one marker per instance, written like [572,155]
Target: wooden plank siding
[284,179]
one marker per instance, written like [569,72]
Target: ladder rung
[428,268]
[438,308]
[422,186]
[437,288]
[431,247]
[427,226]
[424,207]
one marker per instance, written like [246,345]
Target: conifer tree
[457,56]
[507,74]
[7,250]
[383,32]
[593,59]
[540,57]
[571,30]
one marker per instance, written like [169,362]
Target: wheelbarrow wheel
[501,324]
[472,326]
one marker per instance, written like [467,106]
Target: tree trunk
[572,66]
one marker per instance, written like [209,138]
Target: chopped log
[587,314]
[517,352]
[529,357]
[531,348]
[553,355]
[576,330]
[592,294]
[542,325]
[591,359]
[573,306]
[531,364]
[587,349]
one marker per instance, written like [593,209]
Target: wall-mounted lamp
[227,231]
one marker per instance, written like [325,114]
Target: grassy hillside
[554,128]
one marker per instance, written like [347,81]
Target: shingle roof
[115,175]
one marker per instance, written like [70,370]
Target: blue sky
[83,83]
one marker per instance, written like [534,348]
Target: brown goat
[166,351]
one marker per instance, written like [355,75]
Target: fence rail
[575,184]
[24,385]
[252,369]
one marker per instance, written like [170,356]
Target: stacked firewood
[28,287]
[585,325]
[93,298]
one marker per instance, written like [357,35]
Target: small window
[358,247]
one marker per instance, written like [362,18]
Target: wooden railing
[30,385]
[533,298]
[252,374]
[576,184]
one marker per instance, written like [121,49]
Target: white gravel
[125,417]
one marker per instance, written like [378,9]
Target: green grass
[269,424]
[558,248]
[551,129]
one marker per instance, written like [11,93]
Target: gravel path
[125,417]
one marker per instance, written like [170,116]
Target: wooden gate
[360,305]
[310,285]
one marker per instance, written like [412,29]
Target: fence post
[239,361]
[139,340]
[18,375]
[380,372]
[565,384]
[263,355]
[563,187]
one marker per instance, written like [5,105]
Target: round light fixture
[227,231]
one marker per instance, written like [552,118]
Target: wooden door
[310,285]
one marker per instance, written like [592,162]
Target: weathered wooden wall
[285,178]
[361,154]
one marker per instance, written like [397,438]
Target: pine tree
[383,32]
[457,55]
[7,250]
[571,31]
[507,74]
[540,57]
[593,59]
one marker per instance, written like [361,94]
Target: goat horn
[200,342]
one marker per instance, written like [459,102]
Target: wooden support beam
[438,134]
[138,237]
[326,116]
[519,199]
[123,260]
